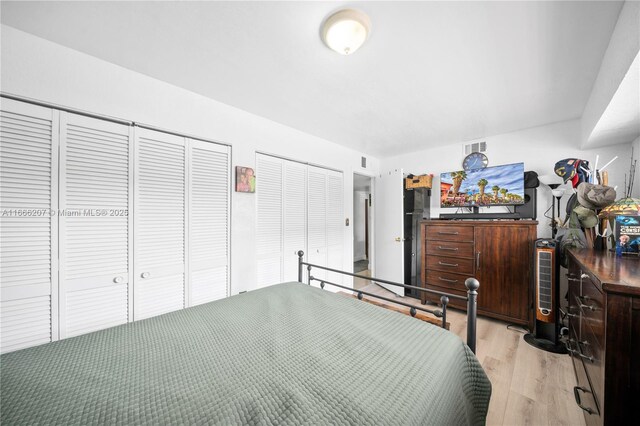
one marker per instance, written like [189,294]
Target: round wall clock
[474,161]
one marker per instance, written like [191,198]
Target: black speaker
[528,209]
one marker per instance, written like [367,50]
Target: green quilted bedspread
[285,354]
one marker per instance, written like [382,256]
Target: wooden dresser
[604,335]
[498,253]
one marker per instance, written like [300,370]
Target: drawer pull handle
[571,277]
[447,280]
[583,306]
[448,248]
[577,397]
[454,265]
[578,352]
[588,358]
[448,233]
[590,307]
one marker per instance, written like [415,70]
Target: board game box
[628,235]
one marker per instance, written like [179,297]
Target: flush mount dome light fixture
[346,30]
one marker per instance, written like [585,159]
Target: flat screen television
[491,186]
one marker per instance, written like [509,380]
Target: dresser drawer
[583,392]
[450,233]
[450,264]
[435,298]
[592,353]
[449,248]
[591,304]
[447,280]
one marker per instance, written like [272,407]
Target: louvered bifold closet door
[335,225]
[294,208]
[317,218]
[208,219]
[159,223]
[28,229]
[269,171]
[94,224]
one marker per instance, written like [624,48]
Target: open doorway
[362,229]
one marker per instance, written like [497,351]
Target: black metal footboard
[472,296]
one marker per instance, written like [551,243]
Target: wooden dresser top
[617,274]
[472,222]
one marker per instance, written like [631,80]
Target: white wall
[539,148]
[623,48]
[359,198]
[38,69]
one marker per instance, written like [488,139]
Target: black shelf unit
[416,208]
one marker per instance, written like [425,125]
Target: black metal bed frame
[471,284]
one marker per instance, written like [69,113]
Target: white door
[388,203]
[269,220]
[159,223]
[294,209]
[317,220]
[208,219]
[335,227]
[28,230]
[94,224]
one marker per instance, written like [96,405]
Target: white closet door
[208,220]
[269,173]
[28,230]
[317,219]
[159,223]
[94,224]
[335,226]
[294,217]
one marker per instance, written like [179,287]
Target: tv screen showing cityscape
[491,186]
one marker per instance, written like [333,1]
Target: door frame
[371,234]
[366,228]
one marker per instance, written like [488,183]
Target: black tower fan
[546,300]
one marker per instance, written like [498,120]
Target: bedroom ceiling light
[346,30]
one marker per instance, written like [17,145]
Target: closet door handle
[145,275]
[117,280]
[477,261]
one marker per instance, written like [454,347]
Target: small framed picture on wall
[245,179]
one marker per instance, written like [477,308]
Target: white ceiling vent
[475,147]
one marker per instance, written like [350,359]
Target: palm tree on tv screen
[495,190]
[482,183]
[504,191]
[458,177]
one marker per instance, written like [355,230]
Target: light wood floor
[530,386]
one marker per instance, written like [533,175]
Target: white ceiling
[620,122]
[431,72]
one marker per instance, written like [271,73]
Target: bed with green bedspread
[285,354]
